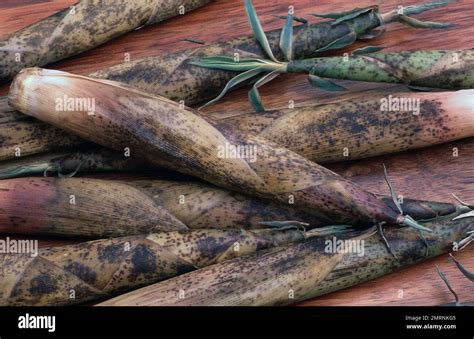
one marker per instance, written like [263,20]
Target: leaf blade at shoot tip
[286,38]
[324,84]
[415,23]
[234,82]
[257,29]
[367,49]
[342,42]
[467,274]
[254,95]
[448,285]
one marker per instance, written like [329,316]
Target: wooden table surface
[431,173]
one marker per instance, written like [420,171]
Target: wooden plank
[431,173]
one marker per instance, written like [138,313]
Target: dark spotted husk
[91,160]
[420,70]
[207,206]
[103,268]
[85,25]
[298,272]
[363,128]
[355,129]
[172,75]
[196,204]
[203,206]
[80,207]
[431,69]
[21,135]
[167,135]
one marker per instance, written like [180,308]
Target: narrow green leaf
[328,230]
[448,285]
[229,64]
[257,29]
[417,9]
[286,223]
[194,41]
[392,191]
[25,170]
[327,85]
[227,59]
[286,38]
[216,59]
[368,49]
[353,14]
[467,274]
[254,95]
[338,15]
[330,15]
[422,24]
[234,82]
[342,42]
[295,18]
[422,89]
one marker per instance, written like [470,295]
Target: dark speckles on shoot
[106,267]
[42,284]
[82,27]
[82,272]
[265,278]
[163,142]
[111,253]
[143,260]
[321,133]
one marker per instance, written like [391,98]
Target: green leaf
[422,24]
[327,85]
[392,191]
[257,29]
[448,285]
[234,82]
[295,18]
[353,14]
[342,42]
[284,224]
[330,15]
[194,41]
[467,274]
[417,9]
[339,15]
[254,95]
[229,64]
[422,89]
[368,49]
[286,38]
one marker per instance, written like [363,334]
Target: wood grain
[432,173]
